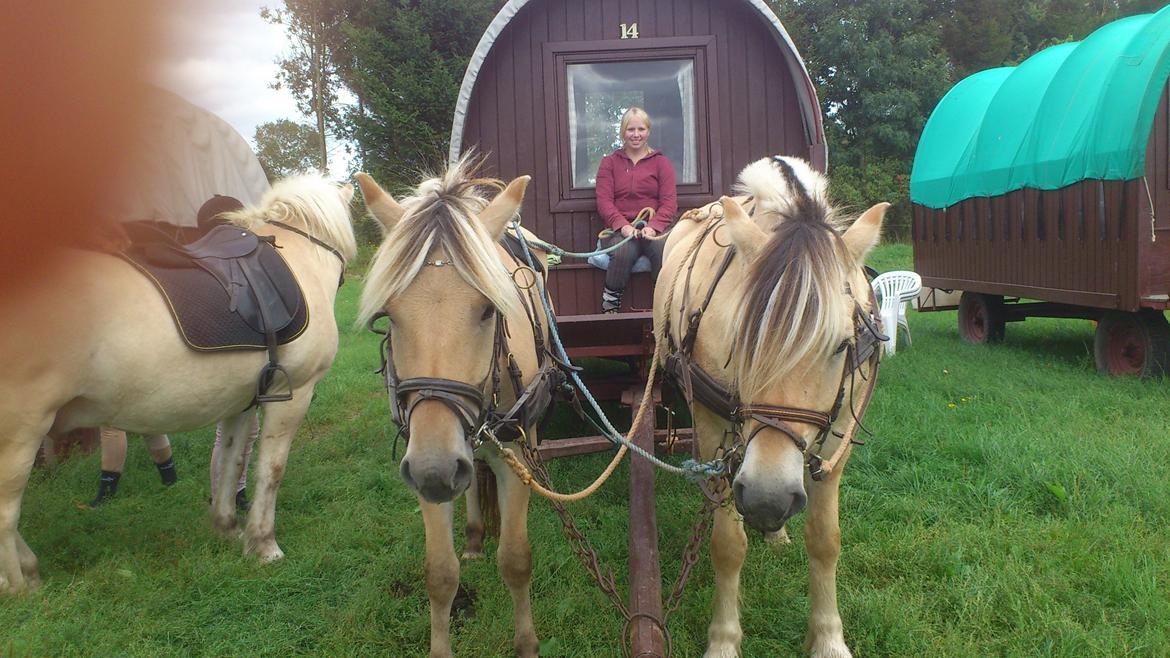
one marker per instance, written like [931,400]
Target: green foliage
[285,147]
[405,62]
[882,179]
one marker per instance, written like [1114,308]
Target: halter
[698,385]
[476,406]
[318,242]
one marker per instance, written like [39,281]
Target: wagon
[1043,190]
[543,95]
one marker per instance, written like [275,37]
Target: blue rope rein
[559,252]
[691,469]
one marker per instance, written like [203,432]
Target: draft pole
[645,575]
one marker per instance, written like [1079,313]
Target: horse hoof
[472,555]
[831,648]
[266,551]
[721,650]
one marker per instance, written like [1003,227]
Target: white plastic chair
[893,290]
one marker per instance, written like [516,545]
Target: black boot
[107,487]
[611,300]
[166,471]
[242,502]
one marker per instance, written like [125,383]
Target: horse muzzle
[439,476]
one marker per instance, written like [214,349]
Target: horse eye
[487,313]
[841,348]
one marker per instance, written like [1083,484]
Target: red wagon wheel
[1132,343]
[981,318]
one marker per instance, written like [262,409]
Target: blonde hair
[632,113]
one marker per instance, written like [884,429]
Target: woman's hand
[627,230]
[648,232]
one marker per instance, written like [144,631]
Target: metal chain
[690,557]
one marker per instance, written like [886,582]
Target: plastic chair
[893,290]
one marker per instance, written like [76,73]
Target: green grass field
[1011,502]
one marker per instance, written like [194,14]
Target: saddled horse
[465,342]
[772,331]
[95,344]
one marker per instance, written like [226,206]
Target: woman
[630,179]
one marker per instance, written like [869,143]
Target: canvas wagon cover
[183,156]
[1072,112]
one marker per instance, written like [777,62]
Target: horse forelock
[441,215]
[794,307]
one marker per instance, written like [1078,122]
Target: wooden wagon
[543,95]
[1043,190]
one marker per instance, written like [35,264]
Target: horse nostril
[463,472]
[737,490]
[404,471]
[799,499]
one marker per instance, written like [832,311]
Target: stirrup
[267,378]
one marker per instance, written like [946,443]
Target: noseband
[472,405]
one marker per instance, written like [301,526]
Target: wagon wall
[514,112]
[1092,243]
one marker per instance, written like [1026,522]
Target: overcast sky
[223,58]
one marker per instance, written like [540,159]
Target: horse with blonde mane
[466,369]
[93,343]
[772,353]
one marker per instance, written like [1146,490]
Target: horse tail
[486,489]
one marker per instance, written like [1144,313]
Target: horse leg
[281,420]
[18,564]
[442,572]
[514,557]
[822,537]
[230,463]
[728,550]
[473,532]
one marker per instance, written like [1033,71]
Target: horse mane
[794,306]
[309,202]
[441,214]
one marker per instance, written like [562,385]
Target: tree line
[879,67]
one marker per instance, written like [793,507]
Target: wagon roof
[1072,112]
[809,106]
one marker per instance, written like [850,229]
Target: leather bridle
[699,386]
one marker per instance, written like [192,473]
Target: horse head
[439,280]
[793,331]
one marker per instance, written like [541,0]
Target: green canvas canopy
[1072,112]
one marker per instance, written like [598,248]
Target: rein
[316,241]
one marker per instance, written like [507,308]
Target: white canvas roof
[184,155]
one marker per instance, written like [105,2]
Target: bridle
[317,241]
[476,406]
[699,386]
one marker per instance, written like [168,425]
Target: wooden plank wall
[1091,243]
[758,110]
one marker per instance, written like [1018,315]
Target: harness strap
[317,242]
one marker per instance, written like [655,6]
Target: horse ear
[379,202]
[347,193]
[748,238]
[503,208]
[864,234]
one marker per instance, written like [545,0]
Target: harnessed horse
[465,365]
[772,333]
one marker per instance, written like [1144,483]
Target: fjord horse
[462,347]
[782,307]
[94,344]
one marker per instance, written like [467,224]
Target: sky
[222,57]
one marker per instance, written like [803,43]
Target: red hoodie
[624,188]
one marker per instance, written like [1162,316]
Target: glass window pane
[599,93]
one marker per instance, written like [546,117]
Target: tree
[285,147]
[310,71]
[404,61]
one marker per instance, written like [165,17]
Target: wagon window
[598,93]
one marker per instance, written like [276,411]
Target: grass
[1011,502]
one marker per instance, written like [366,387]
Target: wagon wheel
[1132,343]
[981,318]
